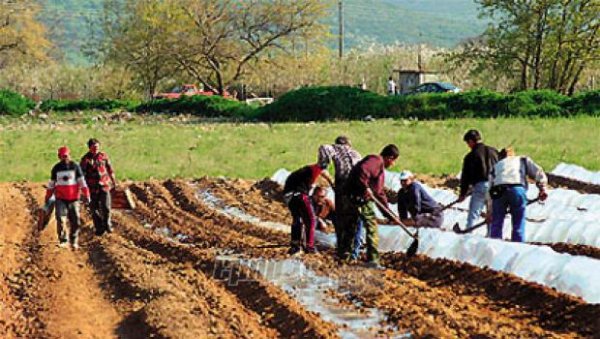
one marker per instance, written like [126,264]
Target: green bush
[586,103]
[324,103]
[12,103]
[83,105]
[331,103]
[200,105]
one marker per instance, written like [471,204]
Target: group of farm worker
[493,179]
[94,177]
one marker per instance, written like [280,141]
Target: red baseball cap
[63,151]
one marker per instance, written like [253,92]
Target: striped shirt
[344,157]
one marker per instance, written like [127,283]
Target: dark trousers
[67,212]
[345,224]
[100,209]
[303,218]
[434,219]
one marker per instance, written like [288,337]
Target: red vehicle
[186,90]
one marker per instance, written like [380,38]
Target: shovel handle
[395,218]
[450,205]
[476,226]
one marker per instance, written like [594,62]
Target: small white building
[409,79]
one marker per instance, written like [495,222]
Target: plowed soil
[159,275]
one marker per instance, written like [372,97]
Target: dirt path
[73,302]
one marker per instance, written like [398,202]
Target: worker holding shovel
[475,173]
[66,183]
[365,189]
[99,176]
[413,199]
[509,191]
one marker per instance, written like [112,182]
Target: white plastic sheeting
[575,275]
[566,216]
[576,172]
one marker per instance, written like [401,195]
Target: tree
[22,36]
[138,35]
[221,41]
[536,43]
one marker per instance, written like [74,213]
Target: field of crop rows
[208,258]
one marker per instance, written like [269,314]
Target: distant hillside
[436,22]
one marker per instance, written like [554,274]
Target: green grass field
[142,150]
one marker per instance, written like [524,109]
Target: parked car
[435,87]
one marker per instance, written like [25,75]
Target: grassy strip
[141,150]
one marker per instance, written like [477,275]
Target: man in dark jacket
[99,176]
[476,169]
[295,193]
[412,198]
[365,183]
[66,183]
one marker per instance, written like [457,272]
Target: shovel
[456,228]
[412,249]
[450,205]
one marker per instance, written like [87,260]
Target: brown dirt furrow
[156,205]
[465,307]
[584,250]
[263,199]
[19,272]
[70,295]
[174,300]
[185,196]
[252,299]
[582,187]
[543,306]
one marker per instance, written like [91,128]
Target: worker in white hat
[414,200]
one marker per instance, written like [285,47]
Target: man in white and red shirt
[66,183]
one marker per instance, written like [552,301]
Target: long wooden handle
[394,217]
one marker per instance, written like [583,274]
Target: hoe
[456,228]
[412,249]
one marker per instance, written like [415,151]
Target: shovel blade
[412,249]
[456,228]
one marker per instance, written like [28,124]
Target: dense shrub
[324,103]
[82,105]
[343,103]
[207,106]
[327,103]
[585,103]
[12,103]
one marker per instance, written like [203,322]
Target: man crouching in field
[99,175]
[66,181]
[295,193]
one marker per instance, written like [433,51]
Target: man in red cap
[66,183]
[99,176]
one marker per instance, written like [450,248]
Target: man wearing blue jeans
[509,191]
[475,173]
